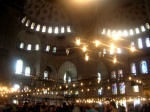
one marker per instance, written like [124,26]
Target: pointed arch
[67,70]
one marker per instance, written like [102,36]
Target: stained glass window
[100,91]
[46,75]
[113,74]
[122,88]
[120,73]
[114,88]
[143,66]
[27,71]
[65,77]
[136,88]
[19,67]
[54,49]
[147,42]
[99,77]
[140,45]
[133,69]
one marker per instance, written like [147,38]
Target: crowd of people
[41,107]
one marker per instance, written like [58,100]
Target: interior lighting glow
[114,59]
[119,33]
[16,87]
[104,31]
[125,33]
[118,50]
[112,48]
[132,47]
[97,43]
[108,32]
[86,57]
[115,35]
[84,48]
[78,42]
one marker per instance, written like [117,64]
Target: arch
[143,67]
[102,70]
[69,69]
[51,70]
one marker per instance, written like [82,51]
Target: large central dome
[46,11]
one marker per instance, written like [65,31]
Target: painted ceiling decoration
[46,16]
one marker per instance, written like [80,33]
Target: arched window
[50,29]
[147,40]
[19,67]
[27,71]
[99,77]
[21,45]
[68,29]
[114,88]
[38,27]
[67,78]
[28,22]
[140,45]
[56,30]
[32,25]
[62,29]
[37,47]
[133,69]
[142,28]
[113,74]
[135,88]
[44,29]
[48,48]
[120,73]
[100,91]
[29,47]
[137,30]
[143,66]
[122,88]
[23,20]
[46,75]
[54,49]
[131,32]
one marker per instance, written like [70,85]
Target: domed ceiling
[125,17]
[46,16]
[46,12]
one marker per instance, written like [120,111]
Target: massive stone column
[147,4]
